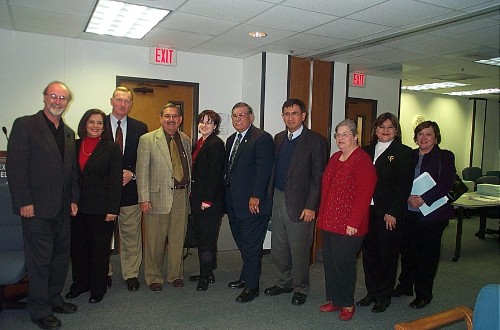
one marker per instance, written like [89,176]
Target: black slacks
[420,253]
[207,233]
[90,244]
[46,248]
[380,257]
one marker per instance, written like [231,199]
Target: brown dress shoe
[155,287]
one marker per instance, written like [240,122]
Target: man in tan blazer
[163,177]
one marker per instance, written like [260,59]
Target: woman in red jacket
[346,191]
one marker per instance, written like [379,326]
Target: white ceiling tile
[308,42]
[292,19]
[337,7]
[234,10]
[348,29]
[195,23]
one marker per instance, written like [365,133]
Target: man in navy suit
[301,157]
[129,220]
[247,170]
[42,173]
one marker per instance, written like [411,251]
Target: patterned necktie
[176,159]
[290,136]
[119,136]
[233,153]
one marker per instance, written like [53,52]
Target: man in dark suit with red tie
[42,172]
[126,131]
[247,170]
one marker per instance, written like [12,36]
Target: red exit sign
[358,79]
[162,56]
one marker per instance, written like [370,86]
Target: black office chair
[488,212]
[12,267]
[472,173]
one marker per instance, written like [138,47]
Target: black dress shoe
[65,308]
[94,300]
[109,282]
[380,306]
[276,290]
[419,303]
[298,298]
[48,322]
[366,301]
[247,295]
[196,278]
[399,291]
[238,284]
[73,294]
[133,284]
[202,284]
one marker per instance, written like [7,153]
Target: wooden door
[151,95]
[364,113]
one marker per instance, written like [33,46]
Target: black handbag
[459,188]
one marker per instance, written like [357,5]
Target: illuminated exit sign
[358,79]
[162,56]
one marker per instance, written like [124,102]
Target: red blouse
[86,149]
[346,191]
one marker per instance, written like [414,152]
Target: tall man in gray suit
[301,156]
[126,132]
[248,166]
[42,172]
[163,178]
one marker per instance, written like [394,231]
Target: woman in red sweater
[346,191]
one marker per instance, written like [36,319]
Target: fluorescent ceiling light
[476,92]
[491,61]
[257,34]
[447,84]
[121,19]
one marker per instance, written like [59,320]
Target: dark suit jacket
[251,172]
[395,172]
[135,129]
[303,179]
[443,172]
[36,173]
[101,180]
[206,184]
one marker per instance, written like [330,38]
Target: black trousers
[46,248]
[380,257]
[339,261]
[420,253]
[207,233]
[90,244]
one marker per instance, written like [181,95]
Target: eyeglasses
[291,114]
[239,115]
[169,116]
[343,135]
[383,127]
[54,97]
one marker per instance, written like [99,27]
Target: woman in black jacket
[207,194]
[421,246]
[100,182]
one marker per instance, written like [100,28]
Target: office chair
[488,212]
[493,173]
[12,267]
[471,173]
[484,317]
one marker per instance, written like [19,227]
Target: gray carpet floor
[457,283]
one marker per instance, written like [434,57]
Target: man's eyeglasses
[291,114]
[54,97]
[169,116]
[239,115]
[341,136]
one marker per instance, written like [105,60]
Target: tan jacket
[155,182]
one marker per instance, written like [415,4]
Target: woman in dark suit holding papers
[421,246]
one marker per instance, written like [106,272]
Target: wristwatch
[134,177]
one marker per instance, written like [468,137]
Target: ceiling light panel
[491,61]
[447,84]
[121,19]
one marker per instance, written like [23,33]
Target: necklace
[83,148]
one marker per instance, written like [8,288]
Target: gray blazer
[155,182]
[303,180]
[36,172]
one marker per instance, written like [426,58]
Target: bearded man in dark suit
[42,172]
